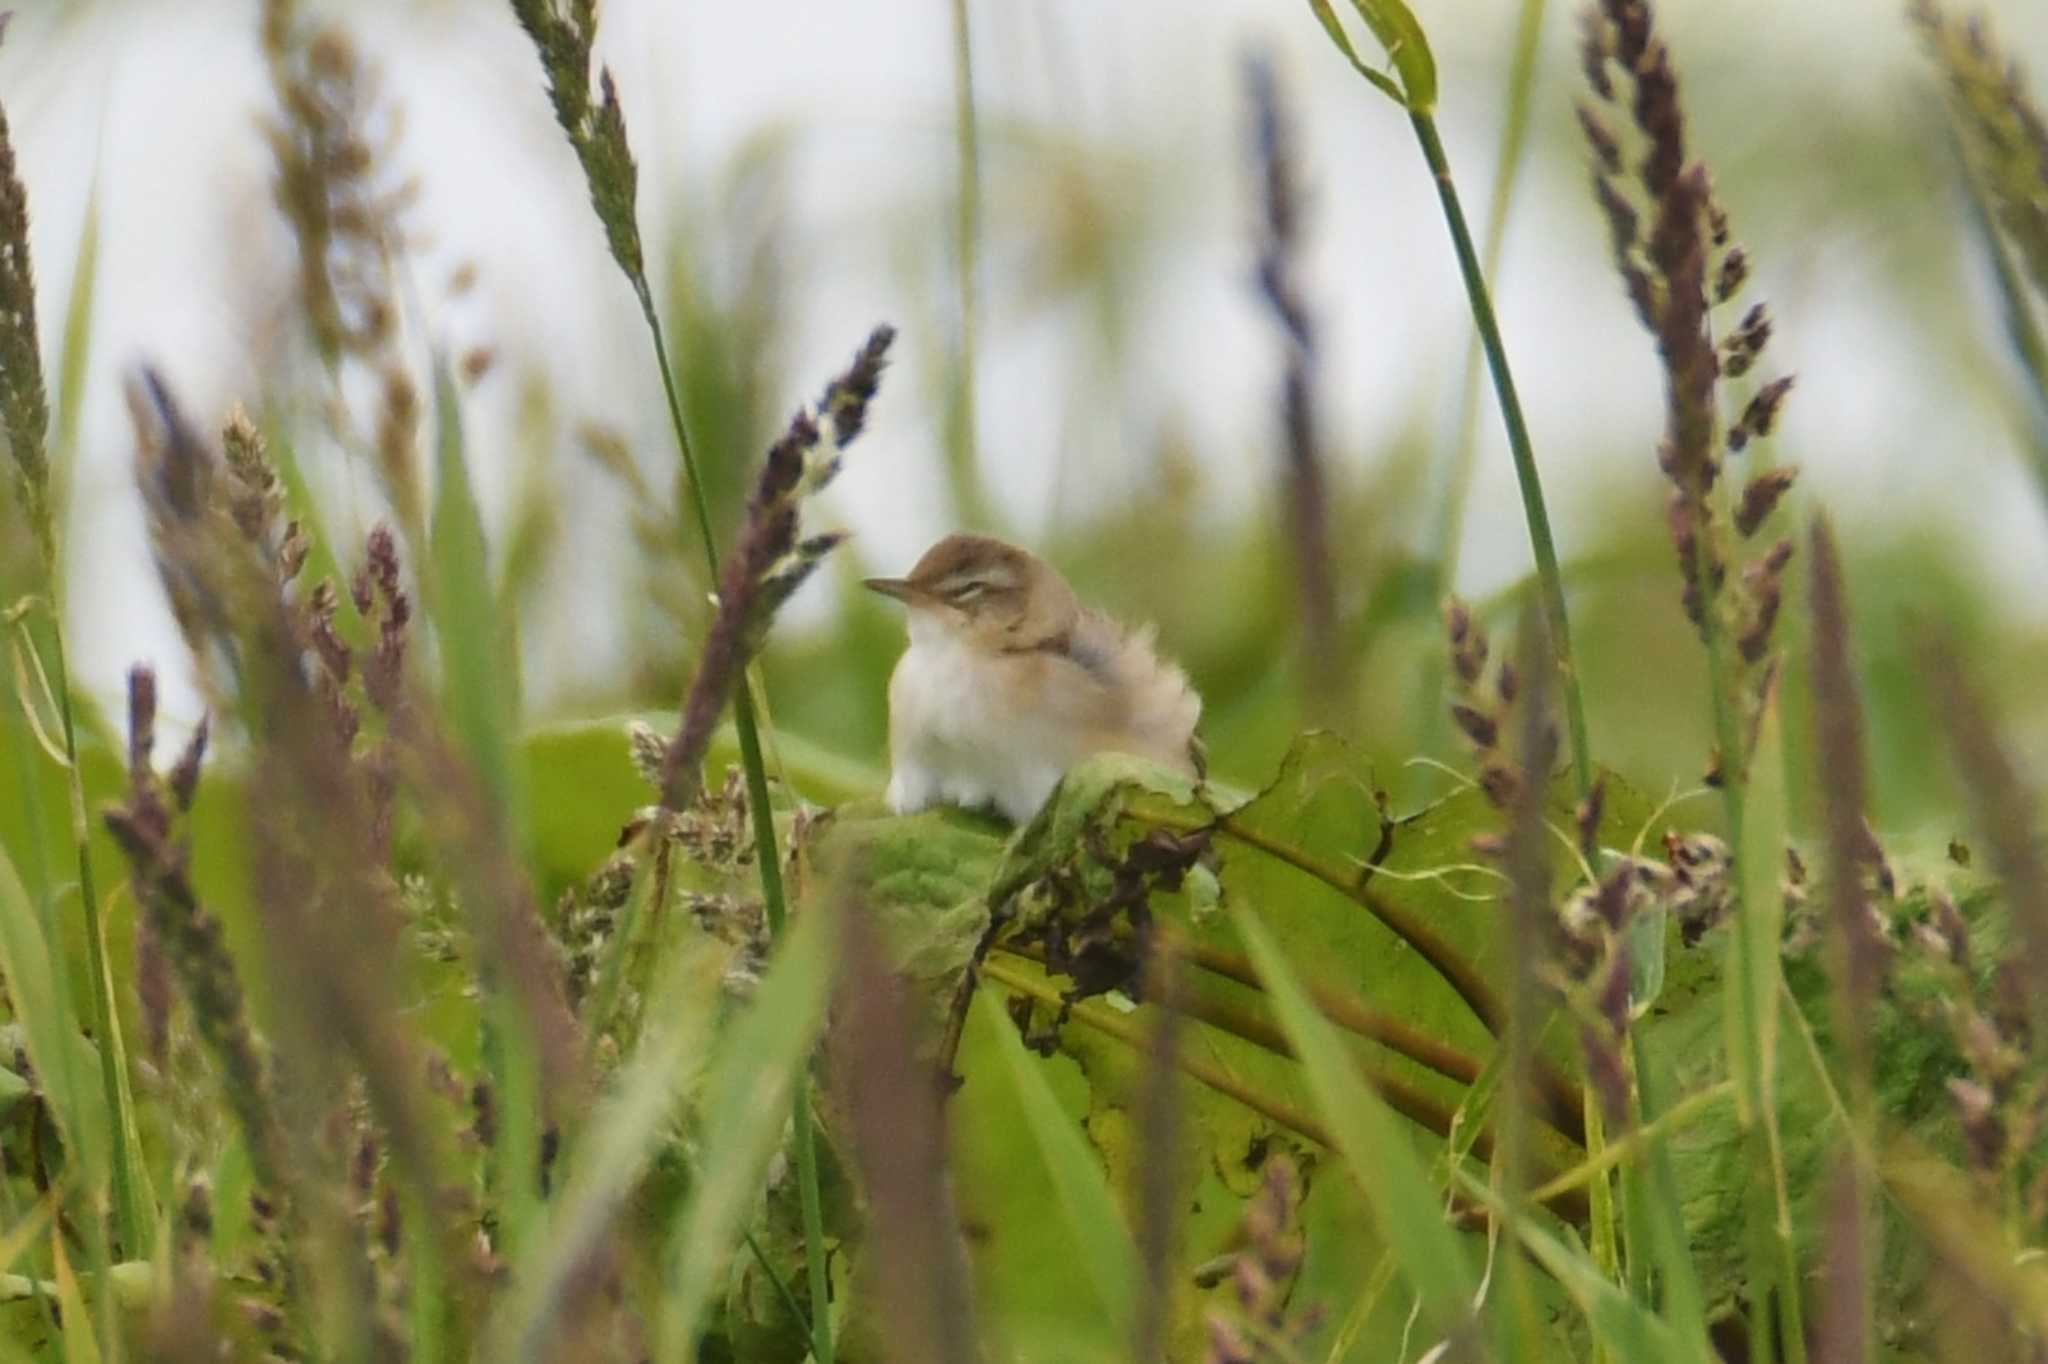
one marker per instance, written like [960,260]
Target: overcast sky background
[158,105]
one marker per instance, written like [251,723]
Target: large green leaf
[1304,854]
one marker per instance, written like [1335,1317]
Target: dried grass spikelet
[769,561]
[2004,133]
[1483,712]
[148,827]
[1856,954]
[1679,264]
[1262,1277]
[334,139]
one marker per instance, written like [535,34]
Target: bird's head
[984,591]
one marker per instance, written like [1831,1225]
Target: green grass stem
[1514,147]
[767,859]
[963,446]
[1550,579]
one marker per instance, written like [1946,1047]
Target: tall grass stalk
[767,858]
[1676,273]
[963,436]
[2017,315]
[1514,147]
[129,1219]
[25,414]
[1550,579]
[596,130]
[1413,86]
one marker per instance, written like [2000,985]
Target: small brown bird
[1009,681]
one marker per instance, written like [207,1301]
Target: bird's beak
[899,588]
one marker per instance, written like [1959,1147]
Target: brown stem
[1560,1102]
[1404,1099]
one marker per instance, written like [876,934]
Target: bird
[1010,680]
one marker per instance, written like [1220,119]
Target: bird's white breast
[958,735]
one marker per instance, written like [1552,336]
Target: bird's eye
[968,591]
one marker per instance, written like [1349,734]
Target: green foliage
[587,1131]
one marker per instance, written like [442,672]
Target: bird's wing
[1111,681]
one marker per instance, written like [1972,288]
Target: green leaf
[1394,26]
[75,355]
[1302,852]
[1327,17]
[79,1345]
[1081,1192]
[746,1107]
[592,758]
[1372,1143]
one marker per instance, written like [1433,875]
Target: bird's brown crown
[1005,596]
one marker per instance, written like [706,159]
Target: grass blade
[1628,1328]
[465,612]
[1375,1147]
[1457,484]
[759,1065]
[918,1270]
[1856,960]
[623,1135]
[1657,1236]
[79,1346]
[75,353]
[1752,1014]
[49,1031]
[1084,1200]
[1534,509]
